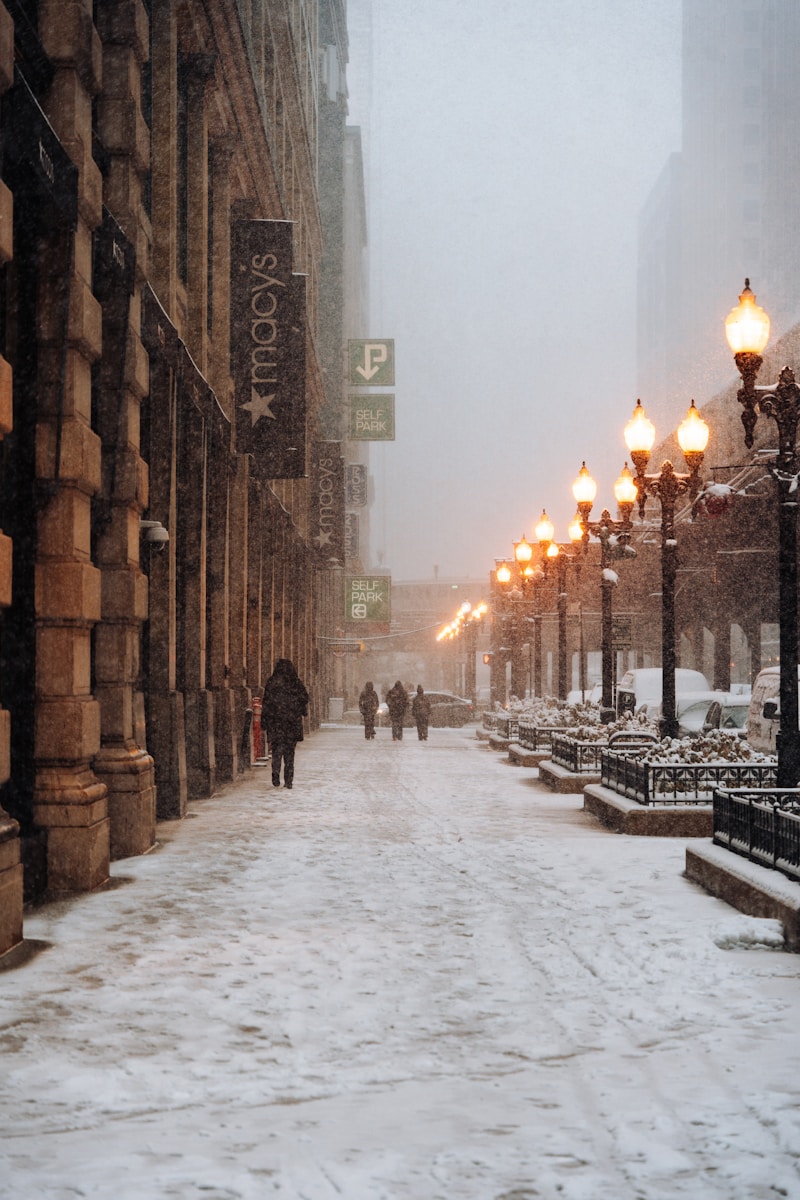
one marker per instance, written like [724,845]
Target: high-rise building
[728,205]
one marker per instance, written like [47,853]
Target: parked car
[729,713]
[447,710]
[643,686]
[701,712]
[592,695]
[764,711]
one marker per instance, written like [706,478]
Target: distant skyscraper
[728,205]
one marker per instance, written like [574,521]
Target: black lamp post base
[788,748]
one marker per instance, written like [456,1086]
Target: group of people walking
[397,704]
[285,703]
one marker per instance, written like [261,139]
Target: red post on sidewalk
[258,732]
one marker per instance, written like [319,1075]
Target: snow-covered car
[447,710]
[591,695]
[729,714]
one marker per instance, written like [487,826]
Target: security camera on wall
[154,534]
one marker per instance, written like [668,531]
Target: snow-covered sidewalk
[417,975]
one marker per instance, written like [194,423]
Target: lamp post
[562,558]
[614,537]
[466,623]
[517,582]
[747,331]
[667,486]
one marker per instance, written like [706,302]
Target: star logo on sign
[322,539]
[259,406]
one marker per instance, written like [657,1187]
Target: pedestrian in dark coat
[284,705]
[368,706]
[397,703]
[421,712]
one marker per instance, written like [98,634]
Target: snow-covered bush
[713,747]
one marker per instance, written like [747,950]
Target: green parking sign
[367,597]
[371,418]
[371,362]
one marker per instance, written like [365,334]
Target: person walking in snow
[368,706]
[284,705]
[397,703]
[421,712]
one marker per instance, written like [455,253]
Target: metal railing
[581,757]
[536,737]
[678,783]
[763,826]
[507,726]
[489,720]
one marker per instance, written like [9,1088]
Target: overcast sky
[509,149]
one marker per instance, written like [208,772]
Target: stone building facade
[153,563]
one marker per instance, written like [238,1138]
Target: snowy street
[419,975]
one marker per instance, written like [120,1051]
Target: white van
[764,713]
[643,686]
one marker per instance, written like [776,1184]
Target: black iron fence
[763,826]
[582,757]
[576,756]
[490,721]
[507,726]
[678,783]
[536,737]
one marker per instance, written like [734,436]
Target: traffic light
[487,658]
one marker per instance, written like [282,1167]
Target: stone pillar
[164,129]
[69,801]
[122,382]
[10,865]
[199,77]
[192,594]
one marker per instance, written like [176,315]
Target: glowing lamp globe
[747,325]
[625,488]
[584,489]
[640,432]
[545,530]
[575,529]
[693,432]
[523,551]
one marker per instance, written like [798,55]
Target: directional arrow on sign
[371,362]
[375,354]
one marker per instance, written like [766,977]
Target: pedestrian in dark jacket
[421,712]
[397,703]
[368,706]
[284,705]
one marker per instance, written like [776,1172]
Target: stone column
[164,130]
[192,594]
[69,801]
[10,865]
[122,382]
[199,78]
[165,710]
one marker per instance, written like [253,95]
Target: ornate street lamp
[614,537]
[561,558]
[466,623]
[666,487]
[747,331]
